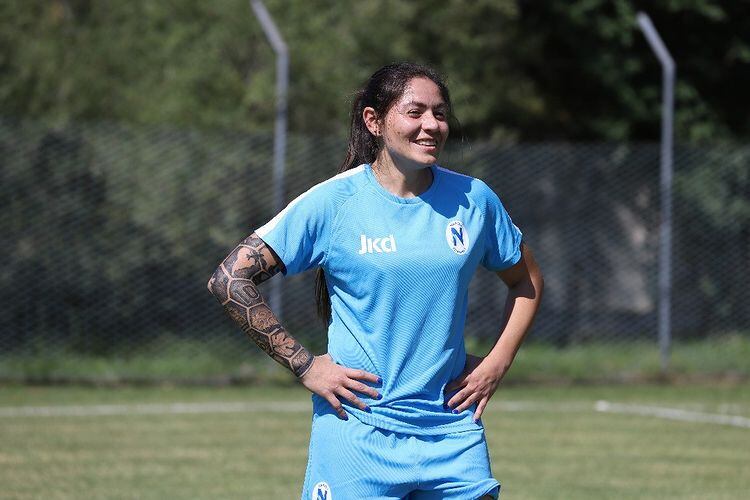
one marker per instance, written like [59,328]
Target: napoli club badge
[321,491]
[457,237]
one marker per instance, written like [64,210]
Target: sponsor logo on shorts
[321,491]
[457,237]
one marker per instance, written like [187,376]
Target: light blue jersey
[398,272]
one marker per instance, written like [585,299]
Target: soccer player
[396,239]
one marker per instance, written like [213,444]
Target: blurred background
[136,150]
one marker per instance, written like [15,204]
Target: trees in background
[597,78]
[123,178]
[519,70]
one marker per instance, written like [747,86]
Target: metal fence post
[665,228]
[279,137]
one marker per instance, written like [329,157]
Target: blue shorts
[352,460]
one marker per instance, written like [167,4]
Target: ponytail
[362,148]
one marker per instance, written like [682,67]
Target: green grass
[715,357]
[168,359]
[562,449]
[190,361]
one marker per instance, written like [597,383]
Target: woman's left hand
[477,384]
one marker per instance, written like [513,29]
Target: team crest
[321,491]
[457,237]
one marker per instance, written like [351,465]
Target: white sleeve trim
[271,225]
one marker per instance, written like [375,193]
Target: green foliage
[518,70]
[102,213]
[598,78]
[126,224]
[715,191]
[147,62]
[132,220]
[720,190]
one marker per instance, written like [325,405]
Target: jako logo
[321,491]
[377,245]
[457,237]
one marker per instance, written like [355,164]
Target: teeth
[426,143]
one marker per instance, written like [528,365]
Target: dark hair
[381,91]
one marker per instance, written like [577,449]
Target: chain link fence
[111,231]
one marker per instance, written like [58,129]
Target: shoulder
[319,204]
[333,192]
[475,189]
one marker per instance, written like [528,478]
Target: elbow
[217,284]
[534,288]
[540,286]
[211,281]
[533,284]
[537,281]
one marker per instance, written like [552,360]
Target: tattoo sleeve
[235,283]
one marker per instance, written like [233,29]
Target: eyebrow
[442,106]
[423,105]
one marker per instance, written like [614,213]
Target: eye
[440,115]
[414,113]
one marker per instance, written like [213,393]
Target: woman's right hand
[333,382]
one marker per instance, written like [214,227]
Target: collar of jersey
[423,197]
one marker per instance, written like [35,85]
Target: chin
[424,161]
[415,162]
[431,161]
[421,165]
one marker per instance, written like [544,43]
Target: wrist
[304,368]
[499,361]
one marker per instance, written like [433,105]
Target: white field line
[557,407]
[154,409]
[233,407]
[672,414]
[305,407]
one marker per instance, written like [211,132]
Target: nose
[429,122]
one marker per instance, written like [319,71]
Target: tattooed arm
[235,283]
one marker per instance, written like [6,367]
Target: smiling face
[415,127]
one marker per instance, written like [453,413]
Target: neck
[402,182]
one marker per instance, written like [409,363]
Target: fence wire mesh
[111,231]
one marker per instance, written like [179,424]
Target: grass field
[546,442]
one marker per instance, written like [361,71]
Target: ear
[372,123]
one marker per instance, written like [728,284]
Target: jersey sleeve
[502,237]
[299,234]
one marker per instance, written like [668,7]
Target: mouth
[427,143]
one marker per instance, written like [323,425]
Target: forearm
[481,375]
[521,306]
[525,287]
[235,284]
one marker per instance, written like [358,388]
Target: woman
[396,240]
